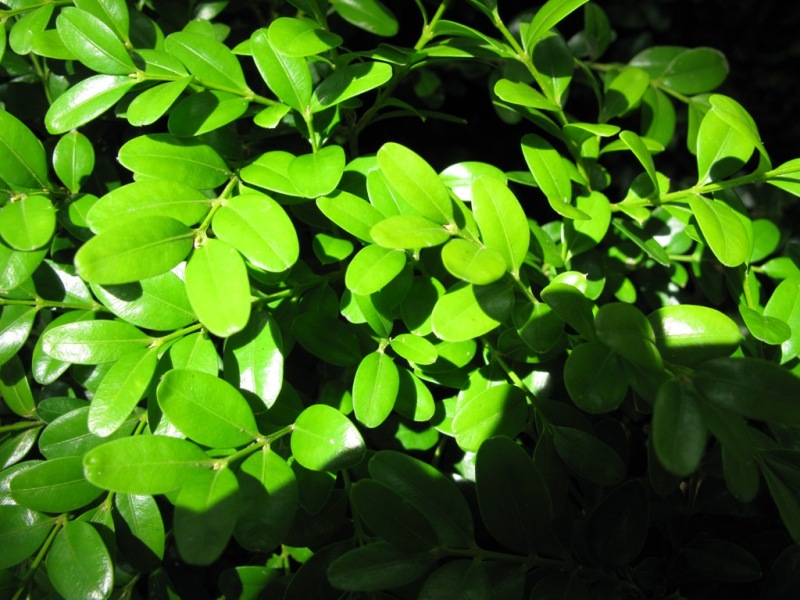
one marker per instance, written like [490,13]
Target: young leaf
[93,43]
[372,268]
[145,464]
[522,94]
[288,77]
[356,216]
[73,160]
[547,167]
[370,15]
[503,224]
[134,250]
[206,409]
[86,101]
[722,229]
[323,439]
[416,182]
[218,287]
[468,311]
[93,342]
[676,410]
[22,159]
[260,229]
[349,82]
[300,37]
[210,61]
[375,388]
[408,232]
[473,263]
[78,563]
[547,17]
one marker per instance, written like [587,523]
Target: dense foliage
[262,338]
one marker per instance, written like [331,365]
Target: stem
[21,426]
[61,520]
[259,443]
[158,342]
[39,303]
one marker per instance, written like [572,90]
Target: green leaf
[375,388]
[572,306]
[196,352]
[694,71]
[785,498]
[120,391]
[503,224]
[624,92]
[207,409]
[588,457]
[323,439]
[547,167]
[15,389]
[349,82]
[463,578]
[300,37]
[547,17]
[205,111]
[113,13]
[676,410]
[595,378]
[206,509]
[625,330]
[211,62]
[765,329]
[416,182]
[134,250]
[414,348]
[148,198]
[69,435]
[78,563]
[391,517]
[85,101]
[269,501]
[583,234]
[218,287]
[377,566]
[152,104]
[29,25]
[73,160]
[539,326]
[16,267]
[56,485]
[139,530]
[522,94]
[288,77]
[468,311]
[512,495]
[722,229]
[317,174]
[721,148]
[372,268]
[271,171]
[409,232]
[93,42]
[784,304]
[642,153]
[751,387]
[22,158]
[618,527]
[473,263]
[254,358]
[370,15]
[145,464]
[260,229]
[22,531]
[429,491]
[689,334]
[351,213]
[16,322]
[93,342]
[164,156]
[721,559]
[29,223]
[328,338]
[499,410]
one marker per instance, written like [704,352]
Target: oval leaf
[323,439]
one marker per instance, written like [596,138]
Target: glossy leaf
[723,230]
[16,322]
[348,82]
[120,391]
[218,287]
[595,378]
[208,60]
[498,410]
[473,263]
[288,77]
[93,42]
[206,409]
[414,348]
[254,357]
[551,175]
[695,70]
[78,564]
[93,342]
[522,94]
[196,352]
[139,529]
[73,160]
[372,268]
[69,435]
[317,174]
[22,158]
[721,149]
[356,216]
[299,37]
[150,464]
[260,229]
[547,17]
[113,13]
[134,250]
[688,334]
[370,15]
[676,410]
[468,311]
[205,111]
[410,232]
[29,223]
[765,329]
[152,104]
[501,220]
[56,485]
[416,182]
[15,389]
[323,439]
[22,531]
[86,101]
[375,388]
[784,304]
[624,92]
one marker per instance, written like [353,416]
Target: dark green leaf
[15,389]
[377,566]
[689,334]
[459,579]
[498,410]
[721,559]
[618,527]
[679,431]
[327,338]
[547,167]
[588,457]
[595,378]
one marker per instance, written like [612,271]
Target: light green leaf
[93,42]
[73,160]
[22,531]
[689,334]
[722,229]
[300,37]
[211,62]
[164,156]
[288,77]
[152,104]
[28,223]
[498,410]
[134,250]
[640,150]
[205,111]
[93,342]
[271,171]
[643,240]
[766,329]
[22,158]
[372,268]
[323,439]
[29,25]
[721,148]
[145,464]
[410,232]
[78,563]
[16,267]
[120,391]
[784,304]
[317,174]
[416,182]
[503,223]
[694,71]
[86,101]
[196,352]
[547,167]
[473,263]
[349,82]
[375,388]
[260,229]
[218,287]
[583,234]
[547,17]
[676,410]
[69,435]
[356,216]
[414,348]
[468,311]
[625,330]
[624,92]
[523,94]
[554,61]
[370,15]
